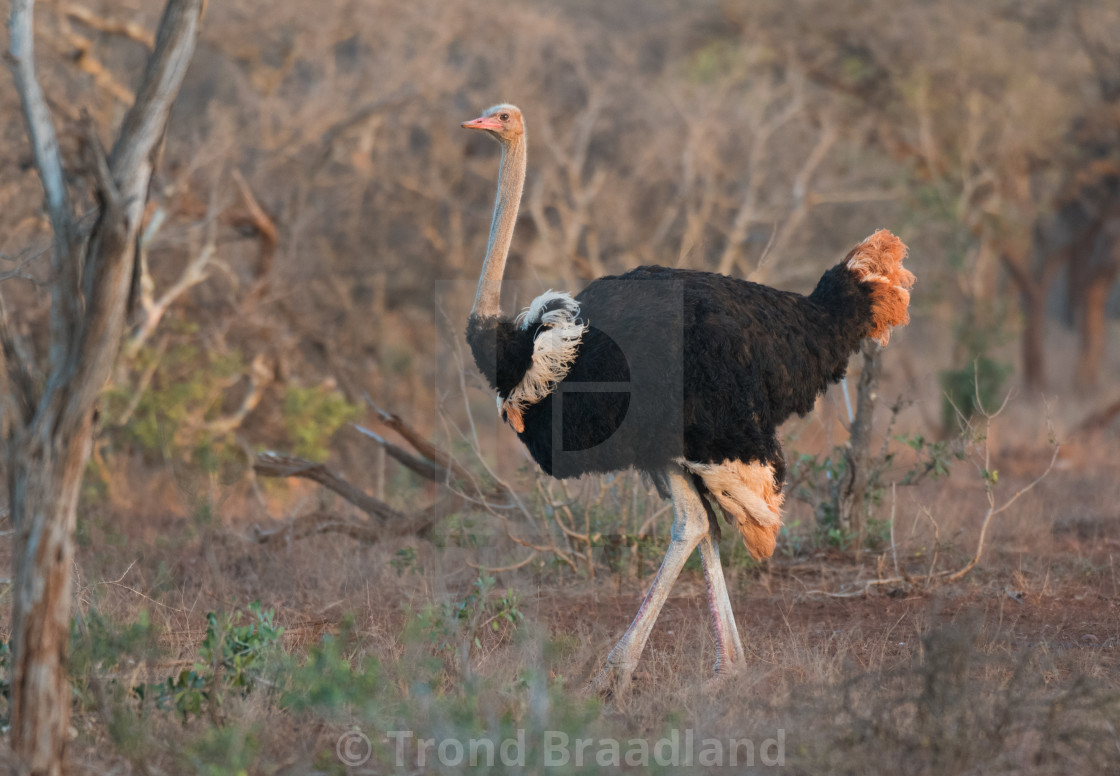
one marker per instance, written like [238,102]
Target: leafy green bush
[183,402]
[223,751]
[231,656]
[312,415]
[184,389]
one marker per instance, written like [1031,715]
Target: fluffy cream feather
[745,492]
[555,348]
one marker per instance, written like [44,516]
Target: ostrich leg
[729,649]
[690,527]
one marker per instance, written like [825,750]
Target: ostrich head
[503,122]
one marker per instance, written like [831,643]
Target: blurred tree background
[318,220]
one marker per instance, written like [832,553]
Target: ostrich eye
[504,117]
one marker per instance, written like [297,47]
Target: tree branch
[442,460]
[84,59]
[40,127]
[421,466]
[196,271]
[260,377]
[317,523]
[391,523]
[993,510]
[129,30]
[21,395]
[48,161]
[261,221]
[122,182]
[276,465]
[143,126]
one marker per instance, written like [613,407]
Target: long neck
[511,182]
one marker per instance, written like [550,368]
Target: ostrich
[684,375]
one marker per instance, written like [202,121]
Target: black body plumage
[680,363]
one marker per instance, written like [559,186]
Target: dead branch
[40,127]
[804,199]
[438,457]
[141,387]
[759,148]
[19,271]
[278,465]
[258,219]
[48,162]
[319,523]
[576,226]
[124,29]
[82,56]
[511,567]
[260,377]
[421,466]
[202,260]
[434,465]
[196,271]
[337,130]
[936,546]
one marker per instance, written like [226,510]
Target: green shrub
[312,415]
[186,388]
[223,751]
[231,656]
[329,681]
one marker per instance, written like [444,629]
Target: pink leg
[729,649]
[690,527]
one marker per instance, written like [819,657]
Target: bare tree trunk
[1092,330]
[850,505]
[44,477]
[1034,318]
[49,428]
[1033,288]
[1092,334]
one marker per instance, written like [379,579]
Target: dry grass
[1011,670]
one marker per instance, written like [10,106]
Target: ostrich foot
[612,682]
[720,677]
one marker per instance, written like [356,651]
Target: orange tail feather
[878,260]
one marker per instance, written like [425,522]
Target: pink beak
[483,122]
